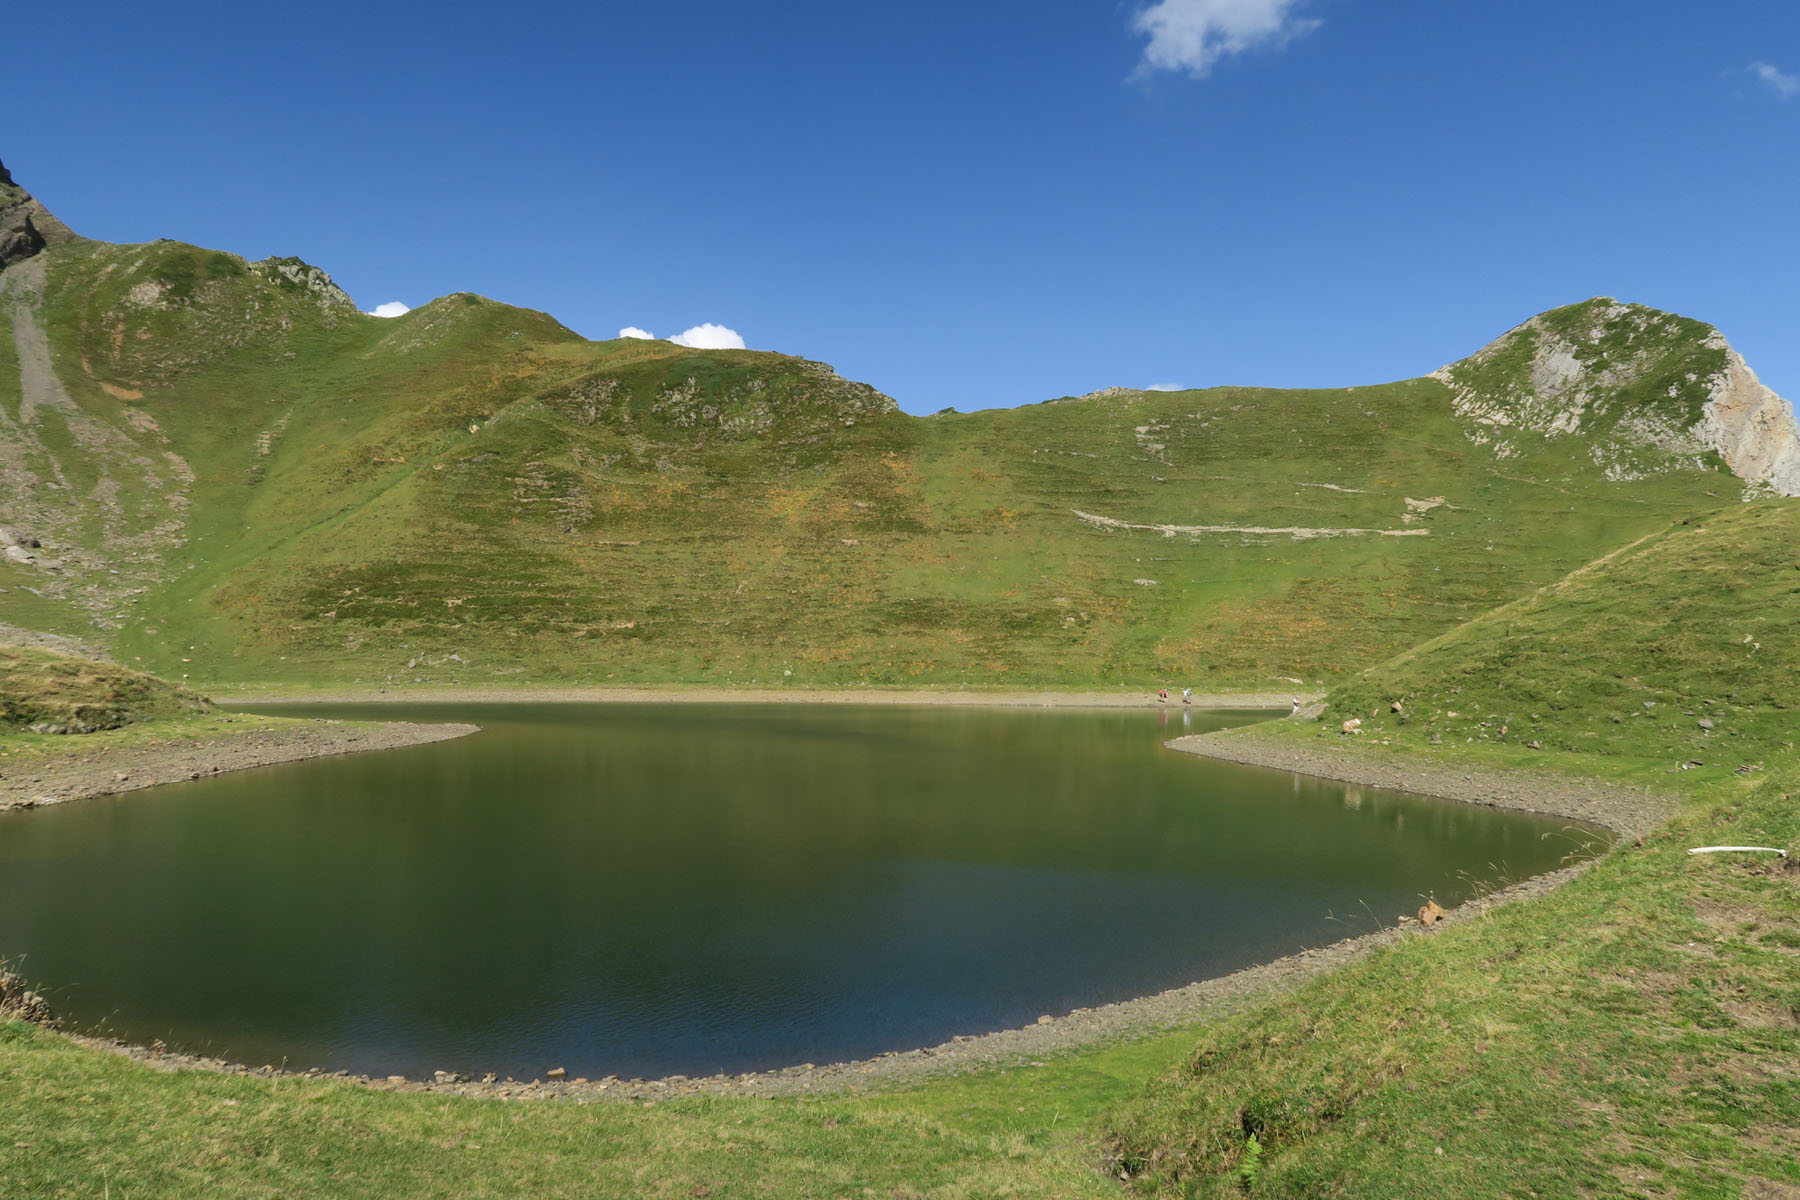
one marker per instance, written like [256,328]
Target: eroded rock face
[1649,392]
[19,236]
[1751,427]
[304,275]
[26,226]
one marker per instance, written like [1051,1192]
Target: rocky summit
[1645,390]
[26,226]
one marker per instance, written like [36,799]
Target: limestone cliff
[1646,391]
[1751,427]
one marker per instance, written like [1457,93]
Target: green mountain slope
[1683,645]
[242,478]
[1633,1032]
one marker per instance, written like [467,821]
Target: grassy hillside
[251,481]
[1631,1035]
[77,695]
[1683,645]
[1637,1033]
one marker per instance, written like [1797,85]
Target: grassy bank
[1681,646]
[74,727]
[1636,1033]
[78,1122]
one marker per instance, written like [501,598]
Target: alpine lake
[658,889]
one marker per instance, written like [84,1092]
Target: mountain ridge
[238,476]
[1730,412]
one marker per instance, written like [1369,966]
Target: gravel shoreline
[106,770]
[1024,1047]
[704,695]
[1628,813]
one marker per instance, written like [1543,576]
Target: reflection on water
[645,890]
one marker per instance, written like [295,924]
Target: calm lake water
[658,889]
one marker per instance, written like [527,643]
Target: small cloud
[393,308]
[1192,35]
[632,331]
[1165,387]
[709,337]
[1786,86]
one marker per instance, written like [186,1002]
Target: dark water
[646,890]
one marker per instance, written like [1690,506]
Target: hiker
[1162,695]
[1187,695]
[1296,711]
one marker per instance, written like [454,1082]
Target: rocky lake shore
[99,769]
[1628,813]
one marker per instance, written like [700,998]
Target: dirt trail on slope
[21,290]
[56,495]
[1299,533]
[18,482]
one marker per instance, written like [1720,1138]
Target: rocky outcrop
[22,1004]
[1751,427]
[296,273]
[26,226]
[1648,391]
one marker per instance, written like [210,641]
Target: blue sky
[968,204]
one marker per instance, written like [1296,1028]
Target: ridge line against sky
[975,207]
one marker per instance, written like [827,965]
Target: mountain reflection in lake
[656,889]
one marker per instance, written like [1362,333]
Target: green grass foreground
[1638,1032]
[80,1122]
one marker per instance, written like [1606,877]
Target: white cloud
[709,337]
[1786,86]
[393,308]
[632,331]
[1165,387]
[1192,35]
